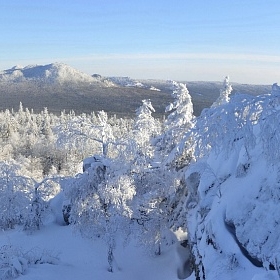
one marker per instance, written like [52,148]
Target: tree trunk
[110,258]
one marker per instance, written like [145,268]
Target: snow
[129,82]
[50,73]
[233,206]
[236,203]
[59,73]
[216,176]
[81,258]
[126,82]
[154,88]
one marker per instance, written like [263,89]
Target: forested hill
[60,87]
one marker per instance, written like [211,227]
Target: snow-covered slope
[129,82]
[233,206]
[51,73]
[126,82]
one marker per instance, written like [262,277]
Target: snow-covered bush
[14,196]
[14,261]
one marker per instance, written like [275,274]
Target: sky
[183,40]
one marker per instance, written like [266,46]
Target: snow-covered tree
[100,203]
[144,121]
[145,127]
[181,110]
[178,123]
[106,133]
[40,196]
[275,89]
[152,207]
[14,196]
[224,93]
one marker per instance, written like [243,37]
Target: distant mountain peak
[16,67]
[54,73]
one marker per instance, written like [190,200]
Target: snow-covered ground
[64,254]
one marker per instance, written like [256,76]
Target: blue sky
[177,39]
